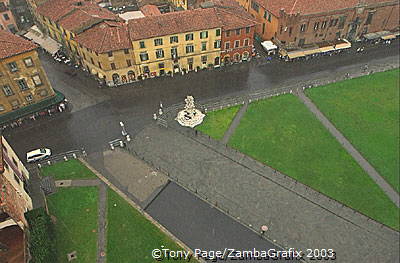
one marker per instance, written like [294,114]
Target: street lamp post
[264,229]
[124,133]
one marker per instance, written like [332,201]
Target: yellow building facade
[114,67]
[158,56]
[23,82]
[180,4]
[176,53]
[193,45]
[61,35]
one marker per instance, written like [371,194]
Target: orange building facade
[300,23]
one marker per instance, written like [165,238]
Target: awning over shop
[326,49]
[295,54]
[388,37]
[45,42]
[268,45]
[311,51]
[344,44]
[32,108]
[371,36]
[383,33]
[283,52]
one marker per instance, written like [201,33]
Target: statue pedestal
[190,117]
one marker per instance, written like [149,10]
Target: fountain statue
[190,116]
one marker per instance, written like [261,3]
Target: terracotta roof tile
[231,19]
[150,10]
[11,45]
[232,15]
[85,16]
[106,36]
[311,6]
[56,9]
[173,23]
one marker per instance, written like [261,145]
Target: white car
[37,155]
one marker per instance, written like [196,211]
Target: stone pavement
[235,123]
[205,227]
[132,176]
[368,168]
[34,187]
[127,197]
[255,194]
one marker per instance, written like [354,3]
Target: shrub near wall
[41,236]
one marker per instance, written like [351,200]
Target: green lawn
[282,133]
[75,211]
[131,237]
[217,122]
[69,170]
[366,111]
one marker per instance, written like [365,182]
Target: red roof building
[73,15]
[237,34]
[150,10]
[11,45]
[294,23]
[56,9]
[85,16]
[173,23]
[104,37]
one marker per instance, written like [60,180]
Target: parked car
[37,155]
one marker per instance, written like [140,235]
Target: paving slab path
[365,165]
[257,195]
[235,123]
[102,212]
[102,227]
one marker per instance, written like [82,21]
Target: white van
[37,155]
[269,47]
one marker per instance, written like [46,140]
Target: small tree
[41,236]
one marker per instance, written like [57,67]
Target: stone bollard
[74,155]
[65,158]
[112,147]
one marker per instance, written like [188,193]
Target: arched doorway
[236,57]
[245,55]
[116,78]
[216,61]
[227,59]
[131,76]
